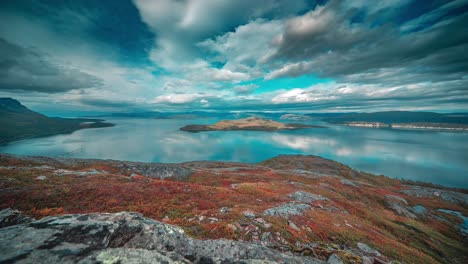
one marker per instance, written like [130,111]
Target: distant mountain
[18,122]
[392,117]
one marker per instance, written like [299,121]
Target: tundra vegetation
[300,204]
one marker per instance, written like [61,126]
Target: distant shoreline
[410,126]
[82,125]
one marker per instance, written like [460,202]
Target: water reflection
[438,157]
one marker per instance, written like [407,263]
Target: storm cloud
[26,69]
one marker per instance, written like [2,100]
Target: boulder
[287,210]
[123,238]
[9,217]
[306,197]
[399,205]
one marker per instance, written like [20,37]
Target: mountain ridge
[19,122]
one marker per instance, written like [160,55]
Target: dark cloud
[99,102]
[27,69]
[327,42]
[107,23]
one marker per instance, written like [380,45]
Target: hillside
[18,122]
[391,117]
[288,209]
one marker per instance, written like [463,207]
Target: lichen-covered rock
[306,197]
[399,205]
[123,238]
[368,250]
[446,195]
[10,217]
[334,259]
[287,210]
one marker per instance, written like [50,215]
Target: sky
[87,56]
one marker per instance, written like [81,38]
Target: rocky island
[250,123]
[288,209]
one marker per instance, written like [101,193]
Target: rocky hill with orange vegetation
[250,123]
[289,209]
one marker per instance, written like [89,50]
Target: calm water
[437,157]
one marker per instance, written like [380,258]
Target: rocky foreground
[289,209]
[250,123]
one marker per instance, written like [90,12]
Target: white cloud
[177,98]
[247,44]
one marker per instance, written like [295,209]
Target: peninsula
[18,122]
[250,123]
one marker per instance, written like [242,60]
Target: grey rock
[63,172]
[124,238]
[41,177]
[334,259]
[446,195]
[349,183]
[9,217]
[399,205]
[287,210]
[367,249]
[225,210]
[249,213]
[306,197]
[367,260]
[293,225]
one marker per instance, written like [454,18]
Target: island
[287,209]
[250,123]
[18,122]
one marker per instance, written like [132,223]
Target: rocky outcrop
[120,238]
[446,195]
[9,217]
[287,210]
[306,197]
[399,205]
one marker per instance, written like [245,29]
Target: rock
[367,260]
[232,227]
[293,225]
[127,255]
[123,238]
[225,210]
[287,210]
[249,213]
[63,172]
[41,177]
[166,219]
[399,205]
[446,195]
[306,197]
[367,249]
[260,220]
[10,217]
[334,259]
[349,183]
